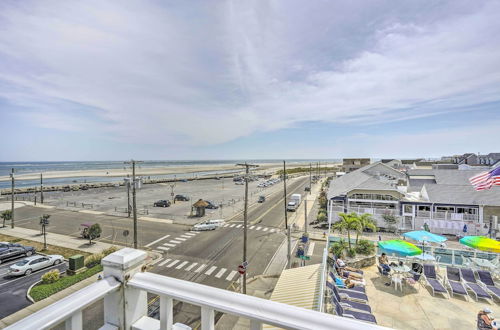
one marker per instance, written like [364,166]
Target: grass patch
[43,291]
[51,249]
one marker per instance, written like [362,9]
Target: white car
[204,226]
[34,263]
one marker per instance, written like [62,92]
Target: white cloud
[218,71]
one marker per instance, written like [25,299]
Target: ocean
[41,167]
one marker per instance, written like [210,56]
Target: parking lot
[13,289]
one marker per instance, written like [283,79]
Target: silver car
[34,263]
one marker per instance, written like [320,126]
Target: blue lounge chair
[355,315]
[455,282]
[351,305]
[432,280]
[488,283]
[354,288]
[350,295]
[470,281]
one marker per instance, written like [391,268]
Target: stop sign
[241,269]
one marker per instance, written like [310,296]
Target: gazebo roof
[200,203]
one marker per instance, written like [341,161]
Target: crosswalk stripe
[168,244]
[158,251]
[238,226]
[273,230]
[265,229]
[252,227]
[176,242]
[181,239]
[172,263]
[191,266]
[185,236]
[190,234]
[221,272]
[231,275]
[164,262]
[225,225]
[159,239]
[232,226]
[164,248]
[258,228]
[210,271]
[310,250]
[181,265]
[200,268]
[156,261]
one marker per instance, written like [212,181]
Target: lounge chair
[455,282]
[350,295]
[347,304]
[433,281]
[470,281]
[354,314]
[488,283]
[354,288]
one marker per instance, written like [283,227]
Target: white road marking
[265,229]
[163,263]
[157,251]
[258,228]
[172,263]
[185,236]
[221,272]
[238,226]
[252,227]
[181,239]
[211,270]
[272,230]
[156,261]
[174,241]
[232,226]
[154,242]
[200,268]
[225,225]
[231,275]
[310,250]
[191,266]
[190,234]
[168,244]
[181,265]
[164,248]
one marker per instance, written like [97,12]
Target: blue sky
[248,79]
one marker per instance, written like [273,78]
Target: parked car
[261,199]
[204,226]
[162,203]
[307,189]
[34,263]
[211,205]
[181,198]
[239,182]
[217,222]
[14,250]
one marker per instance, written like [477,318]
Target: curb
[31,287]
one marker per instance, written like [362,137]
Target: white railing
[447,216]
[369,210]
[125,287]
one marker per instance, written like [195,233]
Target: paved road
[13,289]
[210,258]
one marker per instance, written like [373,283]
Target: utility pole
[127,181]
[288,230]
[12,197]
[310,177]
[41,188]
[305,214]
[172,186]
[245,224]
[134,202]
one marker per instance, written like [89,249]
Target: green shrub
[109,250]
[321,217]
[43,291]
[322,211]
[351,253]
[50,277]
[365,247]
[338,248]
[93,260]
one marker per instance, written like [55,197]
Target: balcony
[447,216]
[125,286]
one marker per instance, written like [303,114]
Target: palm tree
[347,222]
[6,215]
[365,221]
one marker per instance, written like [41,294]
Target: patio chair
[432,280]
[470,281]
[454,281]
[360,316]
[354,288]
[488,283]
[350,295]
[349,305]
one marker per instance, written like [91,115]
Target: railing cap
[124,259]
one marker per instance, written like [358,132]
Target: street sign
[241,269]
[245,264]
[125,233]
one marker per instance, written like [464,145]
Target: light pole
[172,186]
[41,188]
[134,203]
[127,183]
[245,222]
[288,230]
[310,177]
[12,197]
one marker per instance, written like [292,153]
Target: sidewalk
[56,239]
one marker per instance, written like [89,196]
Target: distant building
[352,164]
[472,159]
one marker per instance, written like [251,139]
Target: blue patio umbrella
[402,248]
[424,236]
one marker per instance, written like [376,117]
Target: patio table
[401,269]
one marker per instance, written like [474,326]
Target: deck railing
[125,287]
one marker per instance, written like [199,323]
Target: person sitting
[384,263]
[340,265]
[351,275]
[484,321]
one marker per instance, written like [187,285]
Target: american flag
[486,180]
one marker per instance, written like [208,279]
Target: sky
[111,80]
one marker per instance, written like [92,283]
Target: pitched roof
[446,176]
[456,194]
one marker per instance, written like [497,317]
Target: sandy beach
[139,171]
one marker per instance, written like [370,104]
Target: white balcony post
[126,305]
[166,313]
[74,322]
[207,318]
[255,325]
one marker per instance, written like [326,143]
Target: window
[408,209]
[424,208]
